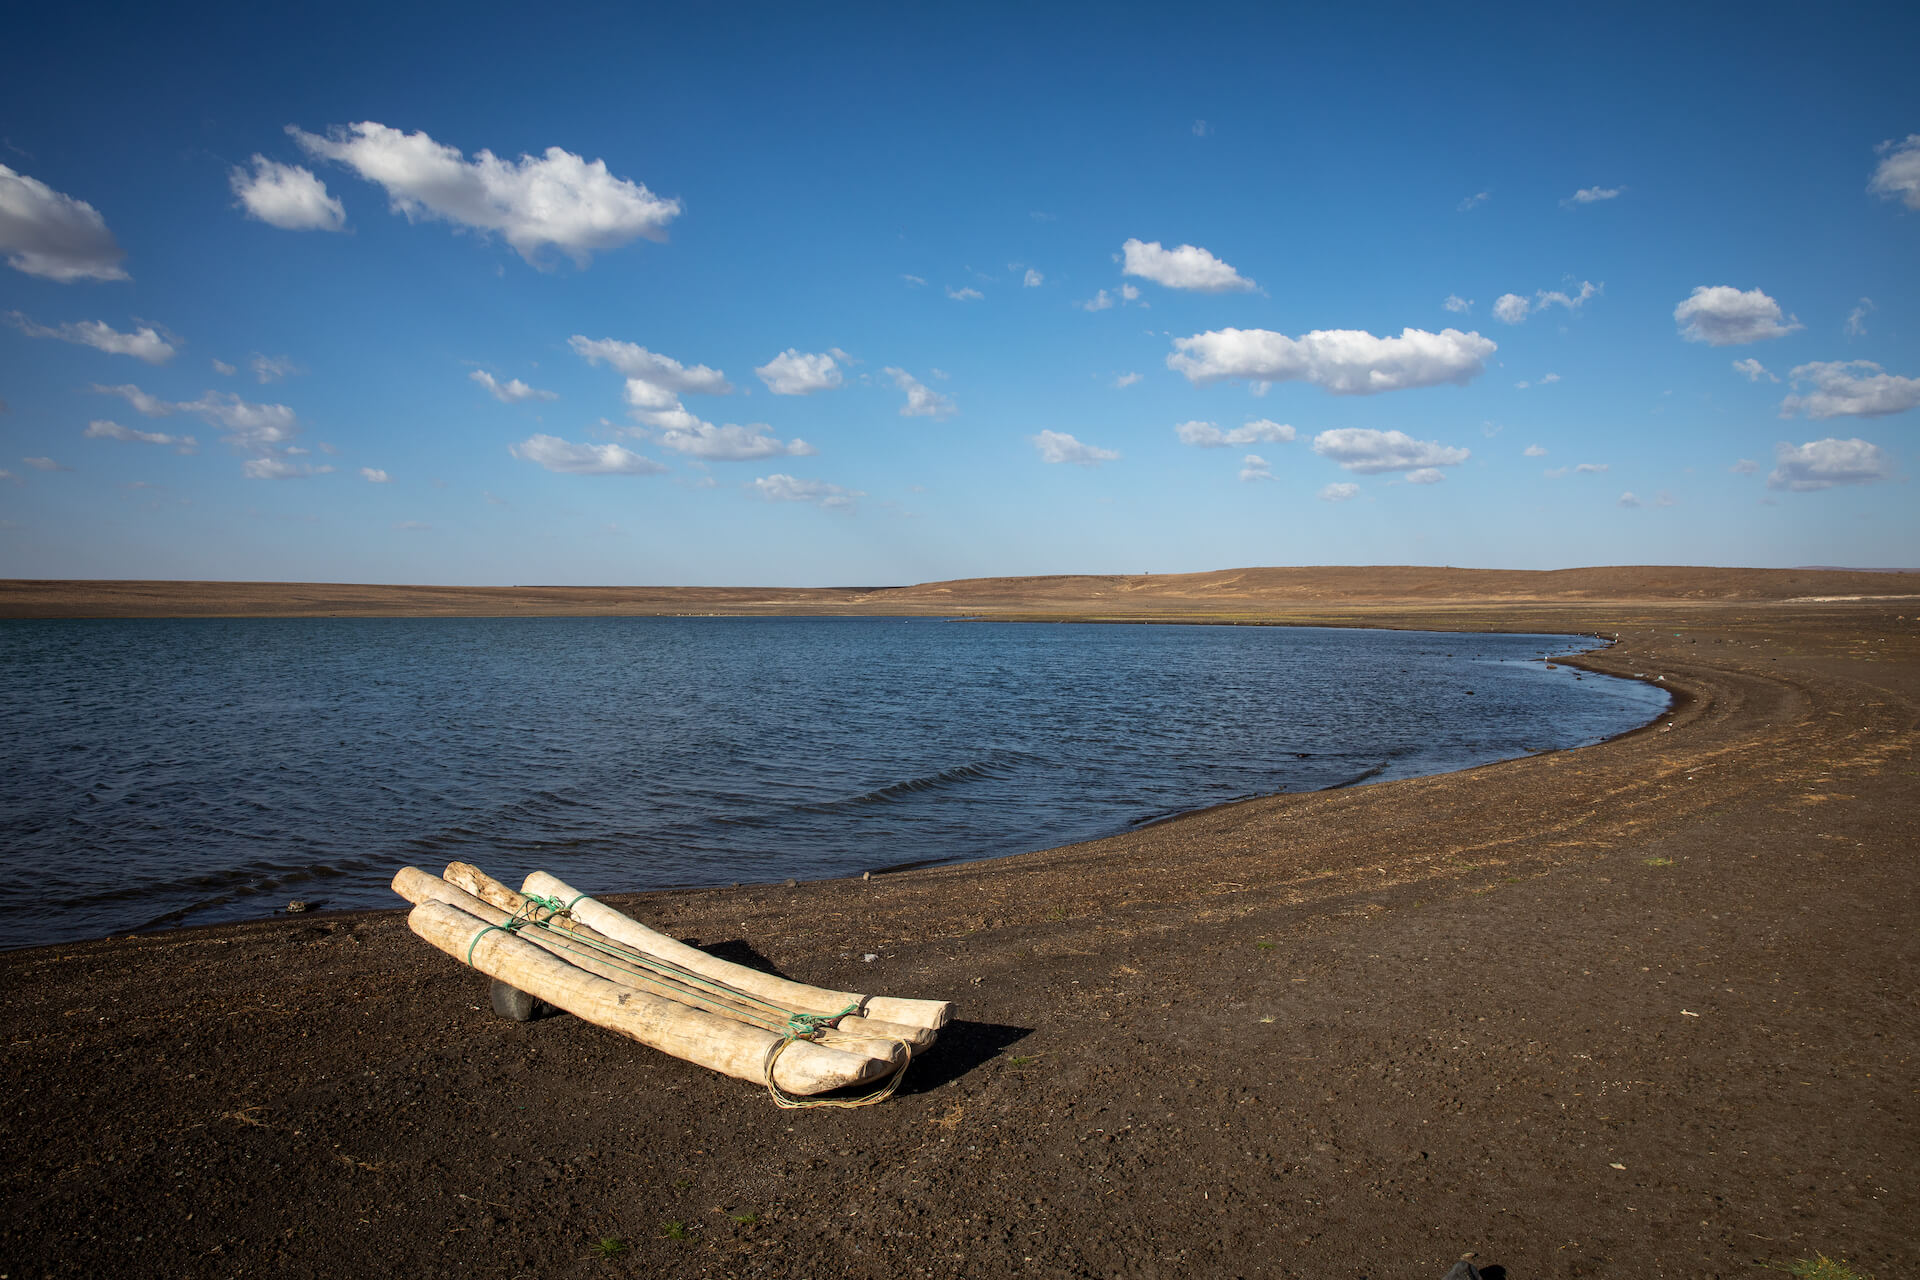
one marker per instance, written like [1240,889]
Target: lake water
[164,772]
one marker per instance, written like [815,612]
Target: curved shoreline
[1563,1010]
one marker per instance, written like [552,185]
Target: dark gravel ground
[1643,1009]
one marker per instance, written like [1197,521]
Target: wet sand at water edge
[1647,1008]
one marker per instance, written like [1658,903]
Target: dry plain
[1648,1008]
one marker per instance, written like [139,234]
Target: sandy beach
[1647,1008]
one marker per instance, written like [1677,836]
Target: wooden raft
[577,954]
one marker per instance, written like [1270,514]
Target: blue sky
[743,295]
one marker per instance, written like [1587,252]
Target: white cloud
[781,487]
[48,234]
[1898,174]
[1130,294]
[1545,298]
[1206,435]
[1255,467]
[1744,467]
[1533,451]
[1754,370]
[45,464]
[1343,361]
[558,199]
[1368,452]
[261,427]
[731,443]
[1723,316]
[1474,201]
[1058,446]
[103,429]
[374,475]
[1822,464]
[1098,302]
[1201,128]
[1592,195]
[513,391]
[922,401]
[286,196]
[918,282]
[1850,388]
[144,343]
[278,468]
[568,458]
[638,362]
[1187,267]
[965,295]
[223,368]
[152,406]
[1426,475]
[272,368]
[1339,491]
[1511,308]
[1628,500]
[792,373]
[1032,280]
[1457,304]
[1857,318]
[1592,468]
[1548,379]
[1126,380]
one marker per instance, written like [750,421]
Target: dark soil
[1643,1009]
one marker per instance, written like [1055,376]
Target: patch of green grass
[681,1184]
[674,1229]
[1058,913]
[1821,1267]
[747,1219]
[610,1246]
[1023,1060]
[1658,862]
[1266,946]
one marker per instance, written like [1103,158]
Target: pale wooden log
[708,1040]
[931,1014]
[855,1035]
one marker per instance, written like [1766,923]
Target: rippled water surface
[161,772]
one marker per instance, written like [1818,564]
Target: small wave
[912,786]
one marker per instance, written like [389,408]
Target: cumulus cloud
[1511,308]
[1457,304]
[1187,267]
[286,196]
[1201,128]
[45,464]
[1254,467]
[1339,491]
[1898,175]
[1058,446]
[152,406]
[1343,361]
[1126,380]
[512,391]
[1032,280]
[1822,464]
[1366,451]
[780,487]
[1753,370]
[661,371]
[731,443]
[1723,316]
[1744,467]
[1533,451]
[249,426]
[49,234]
[918,282]
[1545,298]
[1850,388]
[280,467]
[1426,475]
[1206,435]
[1857,318]
[1474,201]
[144,343]
[922,401]
[271,368]
[965,295]
[1628,500]
[569,458]
[104,429]
[224,369]
[374,475]
[1592,468]
[557,200]
[792,373]
[1592,195]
